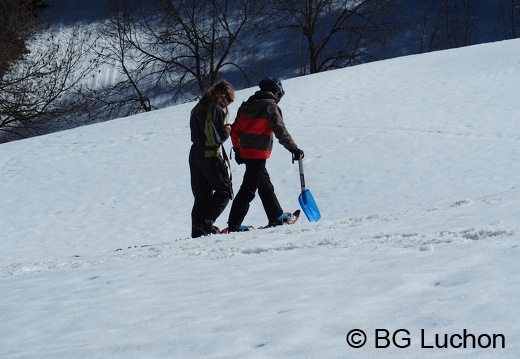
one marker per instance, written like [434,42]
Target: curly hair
[221,94]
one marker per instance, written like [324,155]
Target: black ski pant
[256,178]
[211,187]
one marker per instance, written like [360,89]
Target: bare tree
[131,92]
[43,92]
[509,18]
[199,39]
[17,23]
[447,24]
[467,26]
[338,33]
[177,47]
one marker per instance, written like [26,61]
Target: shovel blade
[309,206]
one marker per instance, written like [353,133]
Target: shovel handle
[302,176]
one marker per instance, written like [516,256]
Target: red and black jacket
[257,120]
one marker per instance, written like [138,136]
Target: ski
[293,220]
[226,230]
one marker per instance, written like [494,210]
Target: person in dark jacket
[210,181]
[257,120]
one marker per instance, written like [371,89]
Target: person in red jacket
[210,180]
[257,120]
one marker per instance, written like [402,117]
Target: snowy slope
[413,161]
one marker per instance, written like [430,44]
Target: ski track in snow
[356,232]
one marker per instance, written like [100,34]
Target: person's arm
[219,124]
[275,120]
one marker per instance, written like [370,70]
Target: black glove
[238,158]
[297,154]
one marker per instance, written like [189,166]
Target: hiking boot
[205,229]
[239,228]
[283,219]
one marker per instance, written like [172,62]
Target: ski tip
[296,215]
[225,231]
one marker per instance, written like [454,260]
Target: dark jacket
[257,120]
[210,132]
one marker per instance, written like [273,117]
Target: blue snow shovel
[307,200]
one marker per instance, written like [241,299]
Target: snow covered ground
[414,163]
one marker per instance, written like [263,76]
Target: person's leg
[211,188]
[218,178]
[247,191]
[201,192]
[266,193]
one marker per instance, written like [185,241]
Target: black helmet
[272,84]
